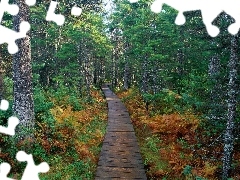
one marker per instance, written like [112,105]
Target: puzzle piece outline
[4,171]
[31,171]
[4,105]
[59,19]
[12,9]
[209,9]
[30,2]
[9,36]
[10,129]
[76,11]
[12,121]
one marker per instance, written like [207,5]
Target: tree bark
[180,59]
[232,95]
[216,112]
[144,76]
[23,105]
[126,77]
[1,76]
[126,73]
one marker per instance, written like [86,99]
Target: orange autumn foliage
[177,133]
[71,125]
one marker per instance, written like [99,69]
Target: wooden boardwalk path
[120,157]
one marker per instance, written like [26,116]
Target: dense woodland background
[179,84]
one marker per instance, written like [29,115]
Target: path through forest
[120,157]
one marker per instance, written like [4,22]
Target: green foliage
[8,88]
[42,108]
[187,170]
[164,102]
[74,102]
[200,178]
[4,115]
[152,144]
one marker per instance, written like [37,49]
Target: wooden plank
[120,157]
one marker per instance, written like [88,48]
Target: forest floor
[175,145]
[69,134]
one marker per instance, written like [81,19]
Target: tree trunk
[144,76]
[126,75]
[80,64]
[180,69]
[87,69]
[1,76]
[23,105]
[232,95]
[126,71]
[216,109]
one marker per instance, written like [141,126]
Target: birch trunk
[180,59]
[126,73]
[126,77]
[23,105]
[232,94]
[1,77]
[216,109]
[144,76]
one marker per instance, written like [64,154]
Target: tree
[23,105]
[232,104]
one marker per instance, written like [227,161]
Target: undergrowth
[174,144]
[68,136]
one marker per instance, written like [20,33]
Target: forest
[179,84]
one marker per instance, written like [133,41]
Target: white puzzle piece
[9,36]
[12,124]
[6,7]
[4,170]
[51,16]
[76,11]
[210,9]
[4,105]
[31,171]
[133,1]
[30,2]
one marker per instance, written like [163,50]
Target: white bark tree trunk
[23,105]
[232,95]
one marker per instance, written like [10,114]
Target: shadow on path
[120,157]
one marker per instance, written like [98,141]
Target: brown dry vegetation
[172,143]
[70,146]
[76,130]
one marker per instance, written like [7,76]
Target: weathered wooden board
[120,156]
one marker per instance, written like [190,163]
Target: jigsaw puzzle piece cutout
[31,171]
[209,9]
[30,2]
[180,19]
[12,9]
[208,17]
[51,16]
[235,13]
[4,170]
[190,5]
[133,1]
[233,28]
[76,11]
[4,105]
[12,124]
[156,6]
[9,36]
